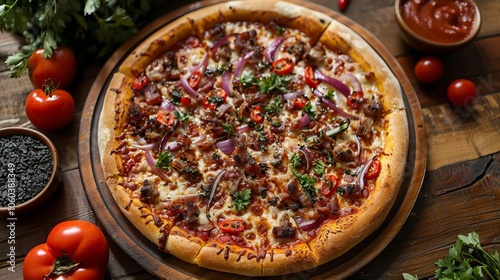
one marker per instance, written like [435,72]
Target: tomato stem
[63,266]
[48,87]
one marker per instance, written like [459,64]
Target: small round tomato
[214,98]
[300,102]
[59,70]
[194,79]
[185,101]
[232,226]
[329,185]
[429,69]
[283,66]
[50,110]
[140,82]
[74,250]
[256,114]
[309,76]
[461,92]
[166,118]
[374,169]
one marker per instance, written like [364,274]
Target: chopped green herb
[343,126]
[275,107]
[308,109]
[241,199]
[305,181]
[181,116]
[273,82]
[248,81]
[330,94]
[229,129]
[319,168]
[164,159]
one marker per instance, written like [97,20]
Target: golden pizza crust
[184,246]
[298,257]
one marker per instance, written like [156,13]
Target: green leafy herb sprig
[466,260]
[92,28]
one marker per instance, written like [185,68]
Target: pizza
[254,137]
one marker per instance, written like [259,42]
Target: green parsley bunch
[92,28]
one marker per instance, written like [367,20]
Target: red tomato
[166,118]
[329,186]
[185,101]
[283,66]
[300,102]
[373,170]
[214,98]
[59,70]
[462,92]
[232,226]
[78,245]
[256,114]
[309,76]
[50,110]
[194,79]
[429,69]
[355,99]
[343,4]
[140,82]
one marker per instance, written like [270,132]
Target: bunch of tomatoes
[460,92]
[49,106]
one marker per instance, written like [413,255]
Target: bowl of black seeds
[29,167]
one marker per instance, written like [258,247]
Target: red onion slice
[151,162]
[361,177]
[166,105]
[164,139]
[226,146]
[226,82]
[307,156]
[241,63]
[219,43]
[333,106]
[150,146]
[303,122]
[200,66]
[307,225]
[243,128]
[343,88]
[189,90]
[293,95]
[351,80]
[270,51]
[212,192]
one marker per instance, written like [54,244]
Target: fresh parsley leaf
[329,94]
[308,109]
[305,181]
[319,168]
[248,80]
[229,129]
[295,160]
[273,82]
[181,115]
[241,199]
[274,107]
[164,159]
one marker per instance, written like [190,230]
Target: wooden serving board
[166,266]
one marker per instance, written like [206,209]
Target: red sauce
[444,21]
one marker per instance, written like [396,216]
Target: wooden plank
[457,134]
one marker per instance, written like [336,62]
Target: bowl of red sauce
[437,26]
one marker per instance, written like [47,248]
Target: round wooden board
[166,266]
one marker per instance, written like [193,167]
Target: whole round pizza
[254,137]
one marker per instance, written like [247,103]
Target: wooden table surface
[460,192]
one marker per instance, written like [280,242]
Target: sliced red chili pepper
[194,79]
[140,82]
[343,4]
[256,114]
[214,98]
[283,66]
[355,99]
[185,101]
[374,169]
[329,186]
[309,76]
[166,118]
[232,226]
[299,102]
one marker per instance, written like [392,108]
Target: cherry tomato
[343,4]
[74,249]
[462,92]
[214,98]
[309,76]
[185,101]
[283,66]
[140,82]
[374,169]
[329,185]
[166,118]
[232,226]
[194,79]
[60,69]
[300,102]
[429,69]
[50,110]
[256,114]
